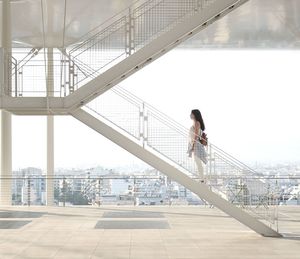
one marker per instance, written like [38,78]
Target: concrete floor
[158,232]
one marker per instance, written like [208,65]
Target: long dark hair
[199,118]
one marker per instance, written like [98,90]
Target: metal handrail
[167,119]
[88,47]
[264,177]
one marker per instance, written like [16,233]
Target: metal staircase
[82,75]
[135,37]
[162,143]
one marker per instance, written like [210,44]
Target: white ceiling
[81,17]
[259,23]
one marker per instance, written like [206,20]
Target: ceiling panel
[257,24]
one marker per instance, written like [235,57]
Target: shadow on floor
[165,212]
[13,224]
[296,237]
[20,214]
[29,214]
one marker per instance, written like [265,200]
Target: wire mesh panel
[28,190]
[103,50]
[124,113]
[168,141]
[156,17]
[129,31]
[33,79]
[36,74]
[241,185]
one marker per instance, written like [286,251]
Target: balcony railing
[99,190]
[130,185]
[146,190]
[36,74]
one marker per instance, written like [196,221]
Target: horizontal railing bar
[133,177]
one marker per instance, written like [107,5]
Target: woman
[196,149]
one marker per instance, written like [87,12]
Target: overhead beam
[50,132]
[33,105]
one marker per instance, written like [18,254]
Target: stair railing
[129,31]
[154,130]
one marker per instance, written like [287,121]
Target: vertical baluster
[99,192]
[28,192]
[64,191]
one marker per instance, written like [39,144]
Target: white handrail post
[129,48]
[144,125]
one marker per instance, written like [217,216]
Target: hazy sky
[249,101]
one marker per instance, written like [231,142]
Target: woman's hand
[193,147]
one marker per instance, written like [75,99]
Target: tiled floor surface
[140,232]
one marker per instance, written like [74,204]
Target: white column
[50,132]
[50,160]
[5,121]
[6,159]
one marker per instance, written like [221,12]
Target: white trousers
[199,165]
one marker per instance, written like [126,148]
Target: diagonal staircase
[162,143]
[136,37]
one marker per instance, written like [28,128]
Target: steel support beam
[34,105]
[50,131]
